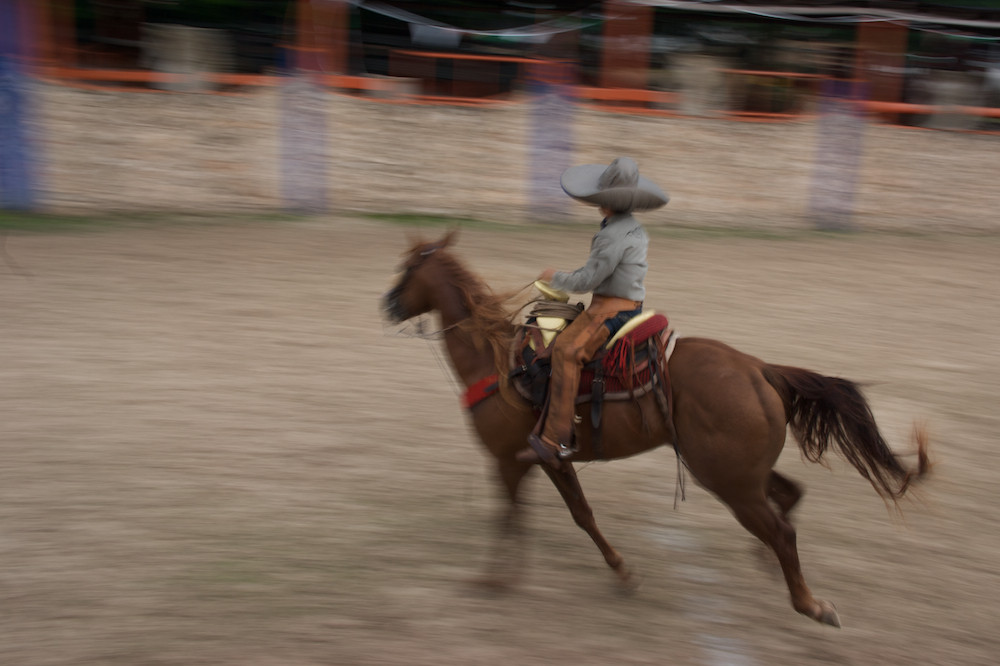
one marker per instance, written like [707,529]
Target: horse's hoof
[628,582]
[827,613]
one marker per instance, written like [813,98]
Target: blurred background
[279,76]
[740,57]
[212,453]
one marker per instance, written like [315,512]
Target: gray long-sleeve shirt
[617,262]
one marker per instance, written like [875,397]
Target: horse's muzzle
[392,308]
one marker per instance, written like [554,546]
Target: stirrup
[565,451]
[544,452]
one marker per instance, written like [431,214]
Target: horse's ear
[413,240]
[450,238]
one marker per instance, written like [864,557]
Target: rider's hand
[546,275]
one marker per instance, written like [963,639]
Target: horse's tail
[824,410]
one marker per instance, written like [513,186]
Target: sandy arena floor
[214,454]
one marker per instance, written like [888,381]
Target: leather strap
[597,409]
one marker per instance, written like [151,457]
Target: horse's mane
[490,322]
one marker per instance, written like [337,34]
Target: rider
[614,273]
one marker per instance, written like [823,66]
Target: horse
[730,414]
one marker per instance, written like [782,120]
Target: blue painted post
[551,141]
[304,155]
[839,147]
[304,108]
[17,168]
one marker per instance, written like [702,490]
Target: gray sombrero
[617,186]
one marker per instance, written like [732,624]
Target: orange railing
[620,100]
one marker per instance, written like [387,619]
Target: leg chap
[574,347]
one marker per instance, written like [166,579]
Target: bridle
[414,327]
[390,300]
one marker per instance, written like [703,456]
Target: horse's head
[413,293]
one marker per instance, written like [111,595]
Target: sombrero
[617,186]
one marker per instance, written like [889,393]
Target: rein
[415,328]
[469,397]
[479,390]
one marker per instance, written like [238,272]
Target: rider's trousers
[574,346]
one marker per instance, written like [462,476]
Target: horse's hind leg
[761,520]
[785,495]
[784,492]
[566,482]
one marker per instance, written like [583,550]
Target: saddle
[631,364]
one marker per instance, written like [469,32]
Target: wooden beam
[881,59]
[625,44]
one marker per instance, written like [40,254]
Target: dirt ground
[214,453]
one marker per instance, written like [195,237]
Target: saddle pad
[621,378]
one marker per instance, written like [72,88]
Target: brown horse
[730,416]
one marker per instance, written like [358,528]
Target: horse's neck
[451,307]
[471,357]
[470,363]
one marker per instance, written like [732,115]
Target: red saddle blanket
[627,370]
[626,366]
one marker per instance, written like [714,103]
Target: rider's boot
[574,346]
[545,451]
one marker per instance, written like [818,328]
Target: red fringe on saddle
[619,365]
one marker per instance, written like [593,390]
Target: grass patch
[669,230]
[47,223]
[856,234]
[694,232]
[447,221]
[40,223]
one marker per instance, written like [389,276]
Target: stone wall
[119,151]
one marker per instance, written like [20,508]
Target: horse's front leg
[506,564]
[568,485]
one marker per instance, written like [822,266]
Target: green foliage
[43,222]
